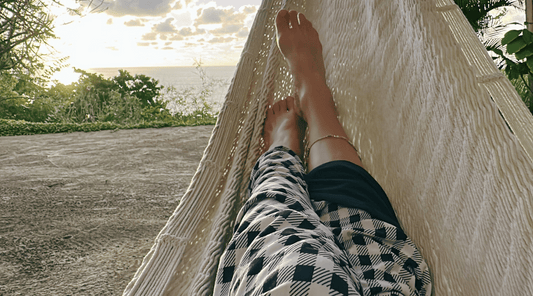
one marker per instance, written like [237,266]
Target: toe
[304,21]
[290,103]
[270,112]
[293,16]
[283,106]
[282,21]
[275,108]
[279,106]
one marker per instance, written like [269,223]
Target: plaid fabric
[285,244]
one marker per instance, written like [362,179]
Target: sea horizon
[177,76]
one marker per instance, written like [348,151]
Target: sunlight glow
[66,76]
[102,40]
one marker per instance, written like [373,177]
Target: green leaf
[497,51]
[510,36]
[511,70]
[516,45]
[528,36]
[529,64]
[523,69]
[524,53]
[513,74]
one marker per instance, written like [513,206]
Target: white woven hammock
[438,126]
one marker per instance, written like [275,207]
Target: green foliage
[479,13]
[140,86]
[19,127]
[95,98]
[513,53]
[517,61]
[20,98]
[93,102]
[522,87]
[156,113]
[96,103]
[193,100]
[25,26]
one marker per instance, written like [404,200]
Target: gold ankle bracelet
[331,136]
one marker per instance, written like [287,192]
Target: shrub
[194,101]
[10,127]
[146,89]
[104,106]
[97,103]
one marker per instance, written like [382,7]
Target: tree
[514,52]
[25,26]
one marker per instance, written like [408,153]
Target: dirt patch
[79,211]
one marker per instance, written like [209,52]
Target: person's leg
[347,199]
[357,211]
[300,45]
[279,245]
[284,127]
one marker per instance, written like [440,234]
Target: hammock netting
[435,122]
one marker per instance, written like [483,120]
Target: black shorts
[349,185]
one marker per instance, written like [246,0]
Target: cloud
[190,44]
[177,6]
[212,15]
[164,27]
[235,3]
[109,21]
[232,21]
[243,32]
[167,31]
[221,40]
[249,9]
[218,24]
[226,16]
[143,43]
[176,38]
[150,36]
[187,31]
[134,23]
[227,29]
[139,7]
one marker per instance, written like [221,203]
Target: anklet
[331,136]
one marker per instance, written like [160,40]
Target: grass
[10,127]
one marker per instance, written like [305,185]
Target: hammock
[439,127]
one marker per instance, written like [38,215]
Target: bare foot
[299,43]
[284,126]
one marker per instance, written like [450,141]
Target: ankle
[309,80]
[315,99]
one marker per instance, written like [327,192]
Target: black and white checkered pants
[287,244]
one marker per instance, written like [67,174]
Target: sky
[157,33]
[153,33]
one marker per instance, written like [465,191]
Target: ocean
[181,78]
[172,76]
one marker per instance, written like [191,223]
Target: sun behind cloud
[134,33]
